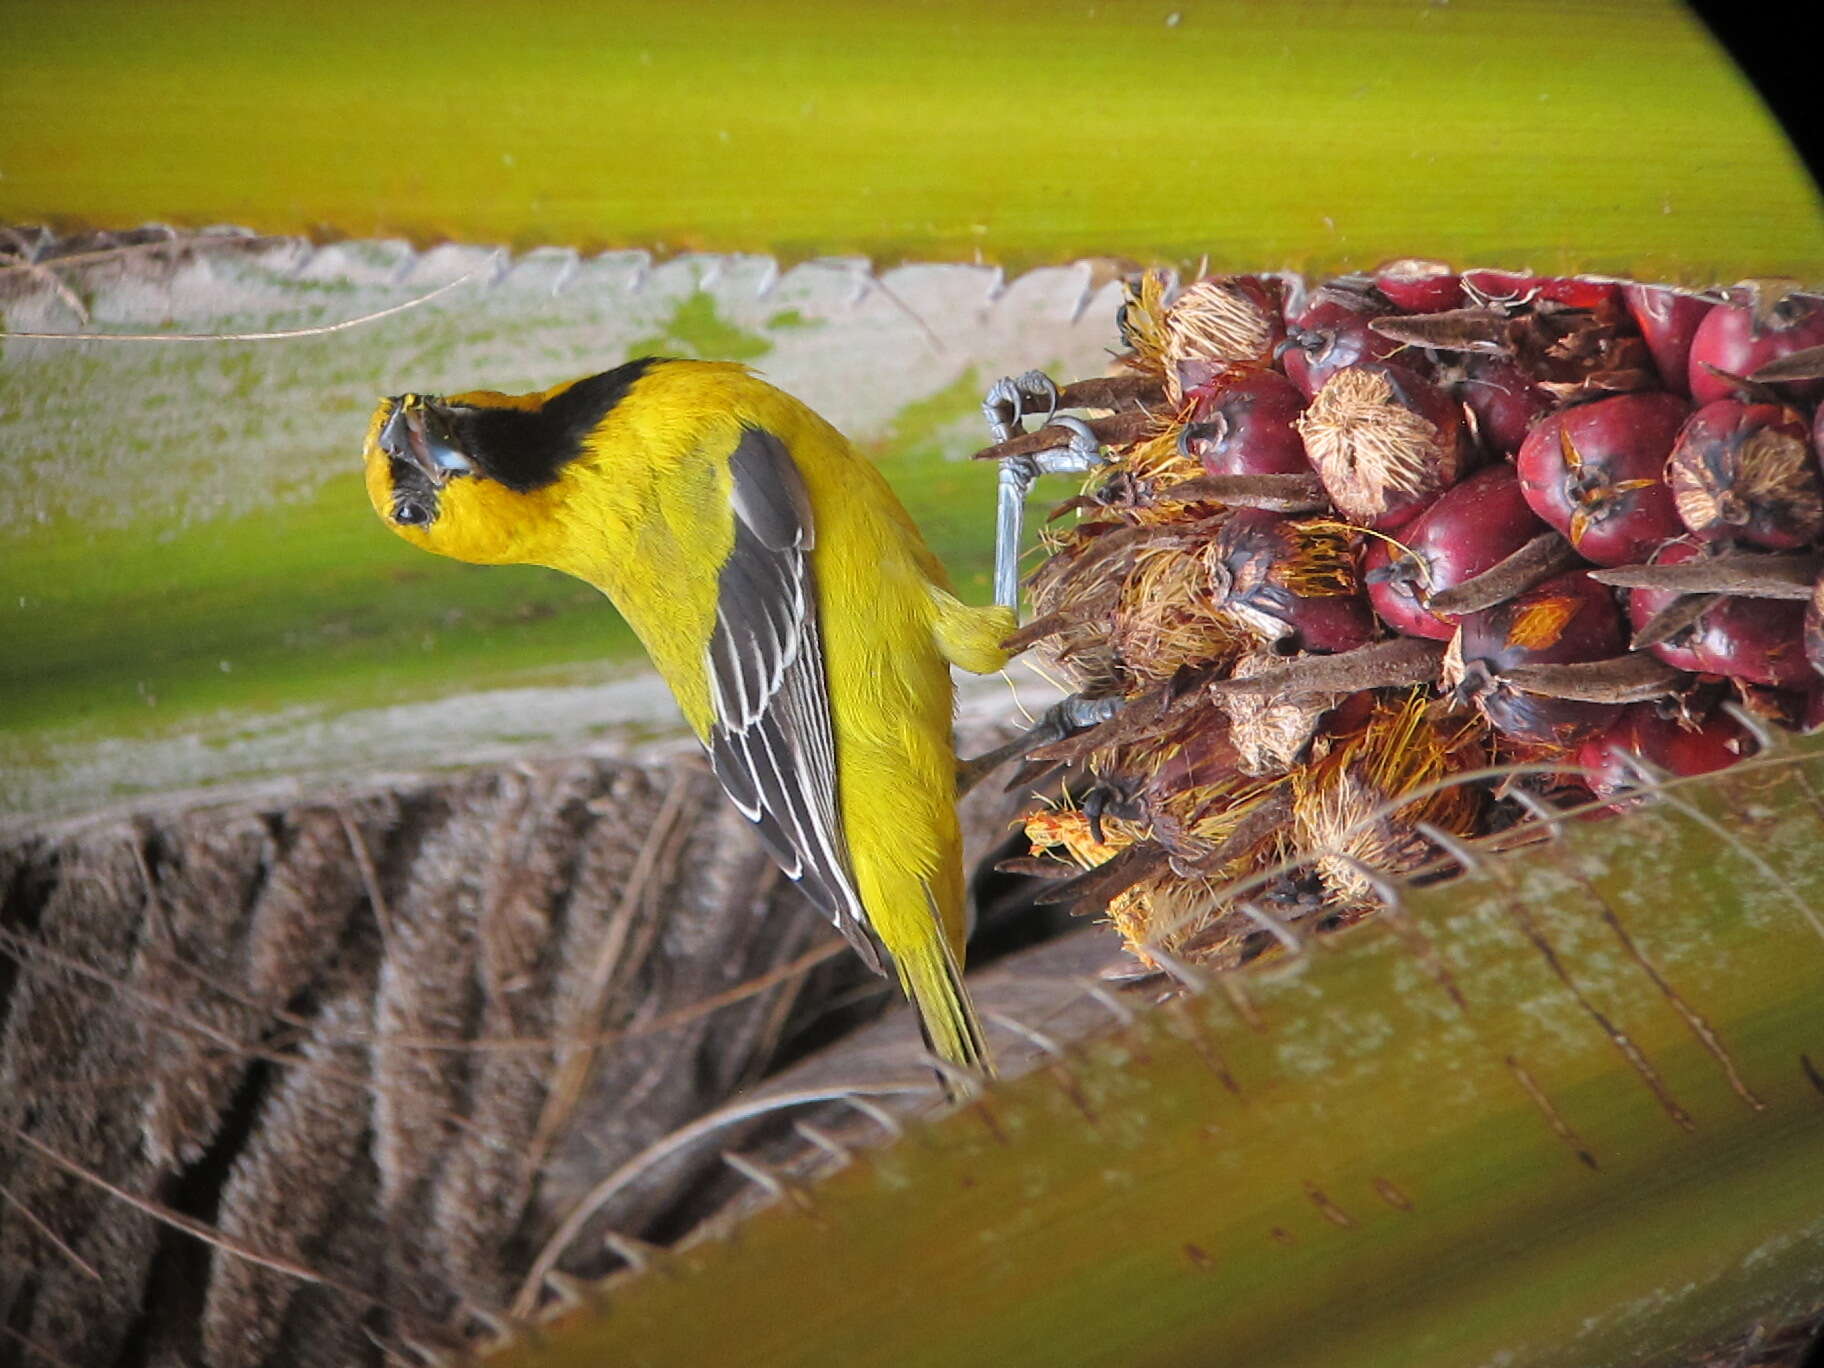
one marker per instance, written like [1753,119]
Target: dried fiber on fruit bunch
[1388,561]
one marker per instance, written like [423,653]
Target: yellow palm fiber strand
[1166,617]
[1143,322]
[1405,745]
[1325,563]
[1156,459]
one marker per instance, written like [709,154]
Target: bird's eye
[412,513]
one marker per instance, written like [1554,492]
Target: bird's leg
[1009,401]
[1018,475]
[1006,406]
[1060,720]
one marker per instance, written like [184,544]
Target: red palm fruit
[1415,285]
[1502,398]
[1332,332]
[1473,527]
[1664,742]
[1645,604]
[1572,292]
[1746,471]
[1217,324]
[1668,320]
[1732,340]
[1568,620]
[1597,474]
[1755,640]
[1384,440]
[1291,583]
[1242,424]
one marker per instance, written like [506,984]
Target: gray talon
[1011,398]
[1037,385]
[1083,454]
[1001,408]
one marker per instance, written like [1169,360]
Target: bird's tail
[946,1016]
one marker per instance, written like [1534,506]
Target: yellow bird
[782,591]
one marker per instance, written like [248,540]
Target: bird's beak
[418,431]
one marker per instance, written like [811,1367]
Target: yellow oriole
[782,591]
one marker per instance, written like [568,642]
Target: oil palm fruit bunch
[1396,559]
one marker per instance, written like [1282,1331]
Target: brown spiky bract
[1220,321]
[1373,452]
[1771,469]
[1271,733]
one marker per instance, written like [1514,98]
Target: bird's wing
[772,743]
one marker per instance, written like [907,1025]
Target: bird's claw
[1011,398]
[1105,799]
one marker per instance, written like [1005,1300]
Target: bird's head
[432,478]
[500,479]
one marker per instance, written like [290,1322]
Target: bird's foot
[1081,454]
[1062,719]
[1011,398]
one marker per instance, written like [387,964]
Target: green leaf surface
[1546,133]
[1564,1111]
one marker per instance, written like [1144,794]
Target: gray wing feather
[772,743]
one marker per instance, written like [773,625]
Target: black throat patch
[526,449]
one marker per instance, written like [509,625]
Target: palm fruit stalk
[1395,558]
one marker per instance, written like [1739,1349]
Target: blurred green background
[192,588]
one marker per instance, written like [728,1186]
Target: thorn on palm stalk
[568,1293]
[1045,1044]
[879,1115]
[1272,925]
[770,1180]
[636,1253]
[498,1332]
[960,1085]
